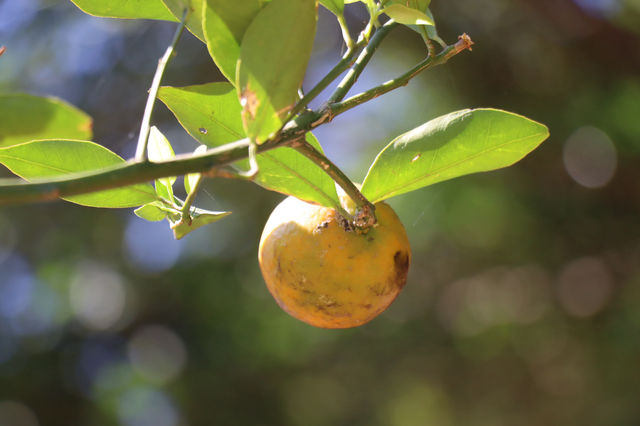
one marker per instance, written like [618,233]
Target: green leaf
[273,58]
[25,118]
[131,9]
[199,218]
[335,6]
[159,149]
[194,14]
[151,212]
[406,15]
[224,25]
[453,145]
[287,171]
[209,112]
[49,158]
[420,5]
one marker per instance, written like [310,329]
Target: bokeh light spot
[590,157]
[144,406]
[16,287]
[494,297]
[13,413]
[151,246]
[585,286]
[98,296]
[157,353]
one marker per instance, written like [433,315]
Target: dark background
[523,301]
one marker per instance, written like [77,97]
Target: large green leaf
[140,9]
[49,158]
[209,112]
[25,118]
[273,59]
[224,24]
[453,145]
[194,14]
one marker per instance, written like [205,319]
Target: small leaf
[406,15]
[453,145]
[190,180]
[132,9]
[224,25]
[25,118]
[160,149]
[150,212]
[335,6]
[49,158]
[199,218]
[194,14]
[273,59]
[209,112]
[287,171]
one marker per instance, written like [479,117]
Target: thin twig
[365,56]
[143,138]
[346,36]
[185,214]
[464,42]
[339,68]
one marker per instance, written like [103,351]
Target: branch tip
[464,42]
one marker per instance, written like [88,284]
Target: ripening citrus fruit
[324,273]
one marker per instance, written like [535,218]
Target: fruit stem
[365,213]
[143,138]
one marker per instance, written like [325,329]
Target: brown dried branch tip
[464,42]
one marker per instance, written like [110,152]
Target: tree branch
[464,42]
[339,68]
[352,76]
[17,191]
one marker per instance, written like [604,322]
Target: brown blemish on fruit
[401,265]
[322,225]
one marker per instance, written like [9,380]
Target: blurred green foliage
[523,299]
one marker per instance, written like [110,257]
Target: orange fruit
[323,272]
